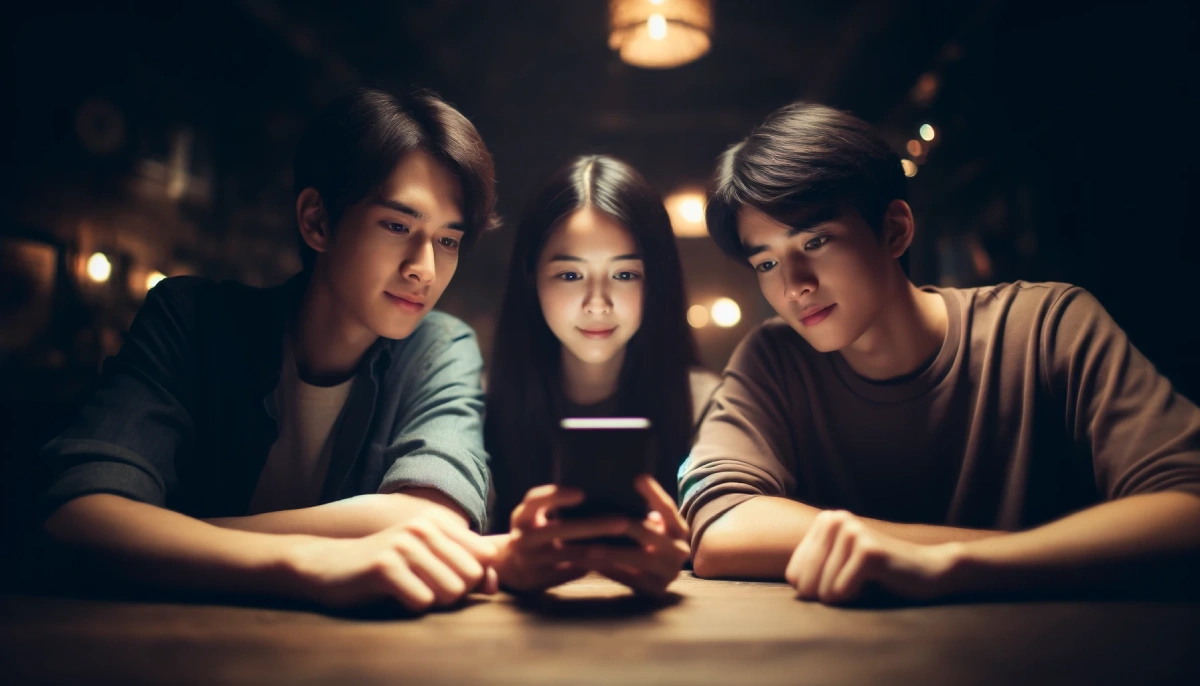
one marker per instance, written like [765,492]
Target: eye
[448,242]
[765,266]
[569,276]
[816,242]
[627,276]
[395,227]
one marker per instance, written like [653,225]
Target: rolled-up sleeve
[129,433]
[744,447]
[438,442]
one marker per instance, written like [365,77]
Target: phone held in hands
[602,456]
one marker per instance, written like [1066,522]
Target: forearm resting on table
[1096,547]
[756,538]
[166,549]
[350,518]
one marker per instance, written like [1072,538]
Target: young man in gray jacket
[321,440]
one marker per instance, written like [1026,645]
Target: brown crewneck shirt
[1037,405]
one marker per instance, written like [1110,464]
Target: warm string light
[726,313]
[723,312]
[917,150]
[686,209]
[98,267]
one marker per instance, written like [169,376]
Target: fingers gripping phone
[602,456]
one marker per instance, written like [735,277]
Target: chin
[826,343]
[397,330]
[594,356]
[824,346]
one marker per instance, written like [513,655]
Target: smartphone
[602,456]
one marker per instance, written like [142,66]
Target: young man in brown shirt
[929,441]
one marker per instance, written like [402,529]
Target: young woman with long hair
[593,323]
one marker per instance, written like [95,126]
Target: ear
[898,227]
[312,220]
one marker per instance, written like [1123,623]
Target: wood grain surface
[594,632]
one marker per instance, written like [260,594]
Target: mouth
[408,303]
[815,315]
[597,333]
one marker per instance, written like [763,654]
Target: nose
[598,300]
[799,279]
[418,265]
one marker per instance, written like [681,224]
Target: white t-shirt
[308,415]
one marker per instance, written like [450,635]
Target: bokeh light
[726,313]
[153,278]
[98,267]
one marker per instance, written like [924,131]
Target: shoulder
[771,343]
[440,338]
[703,382]
[180,301]
[773,358]
[181,292]
[1049,317]
[182,287]
[229,307]
[1020,304]
[437,330]
[1022,296]
[199,293]
[773,333]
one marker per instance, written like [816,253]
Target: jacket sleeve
[132,429]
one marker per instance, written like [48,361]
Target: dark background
[162,134]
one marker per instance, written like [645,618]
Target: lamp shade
[660,34]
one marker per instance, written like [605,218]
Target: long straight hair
[525,396]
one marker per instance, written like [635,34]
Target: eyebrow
[806,225]
[572,258]
[411,211]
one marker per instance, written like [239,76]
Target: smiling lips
[815,315]
[597,333]
[408,303]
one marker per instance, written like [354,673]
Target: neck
[909,330]
[327,342]
[587,383]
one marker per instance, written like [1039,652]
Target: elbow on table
[707,561]
[68,523]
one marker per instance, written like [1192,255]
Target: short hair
[355,143]
[805,159]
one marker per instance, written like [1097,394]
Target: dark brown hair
[805,159]
[355,143]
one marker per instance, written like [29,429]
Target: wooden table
[591,631]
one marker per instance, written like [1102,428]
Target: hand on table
[542,551]
[431,560]
[662,546]
[840,555]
